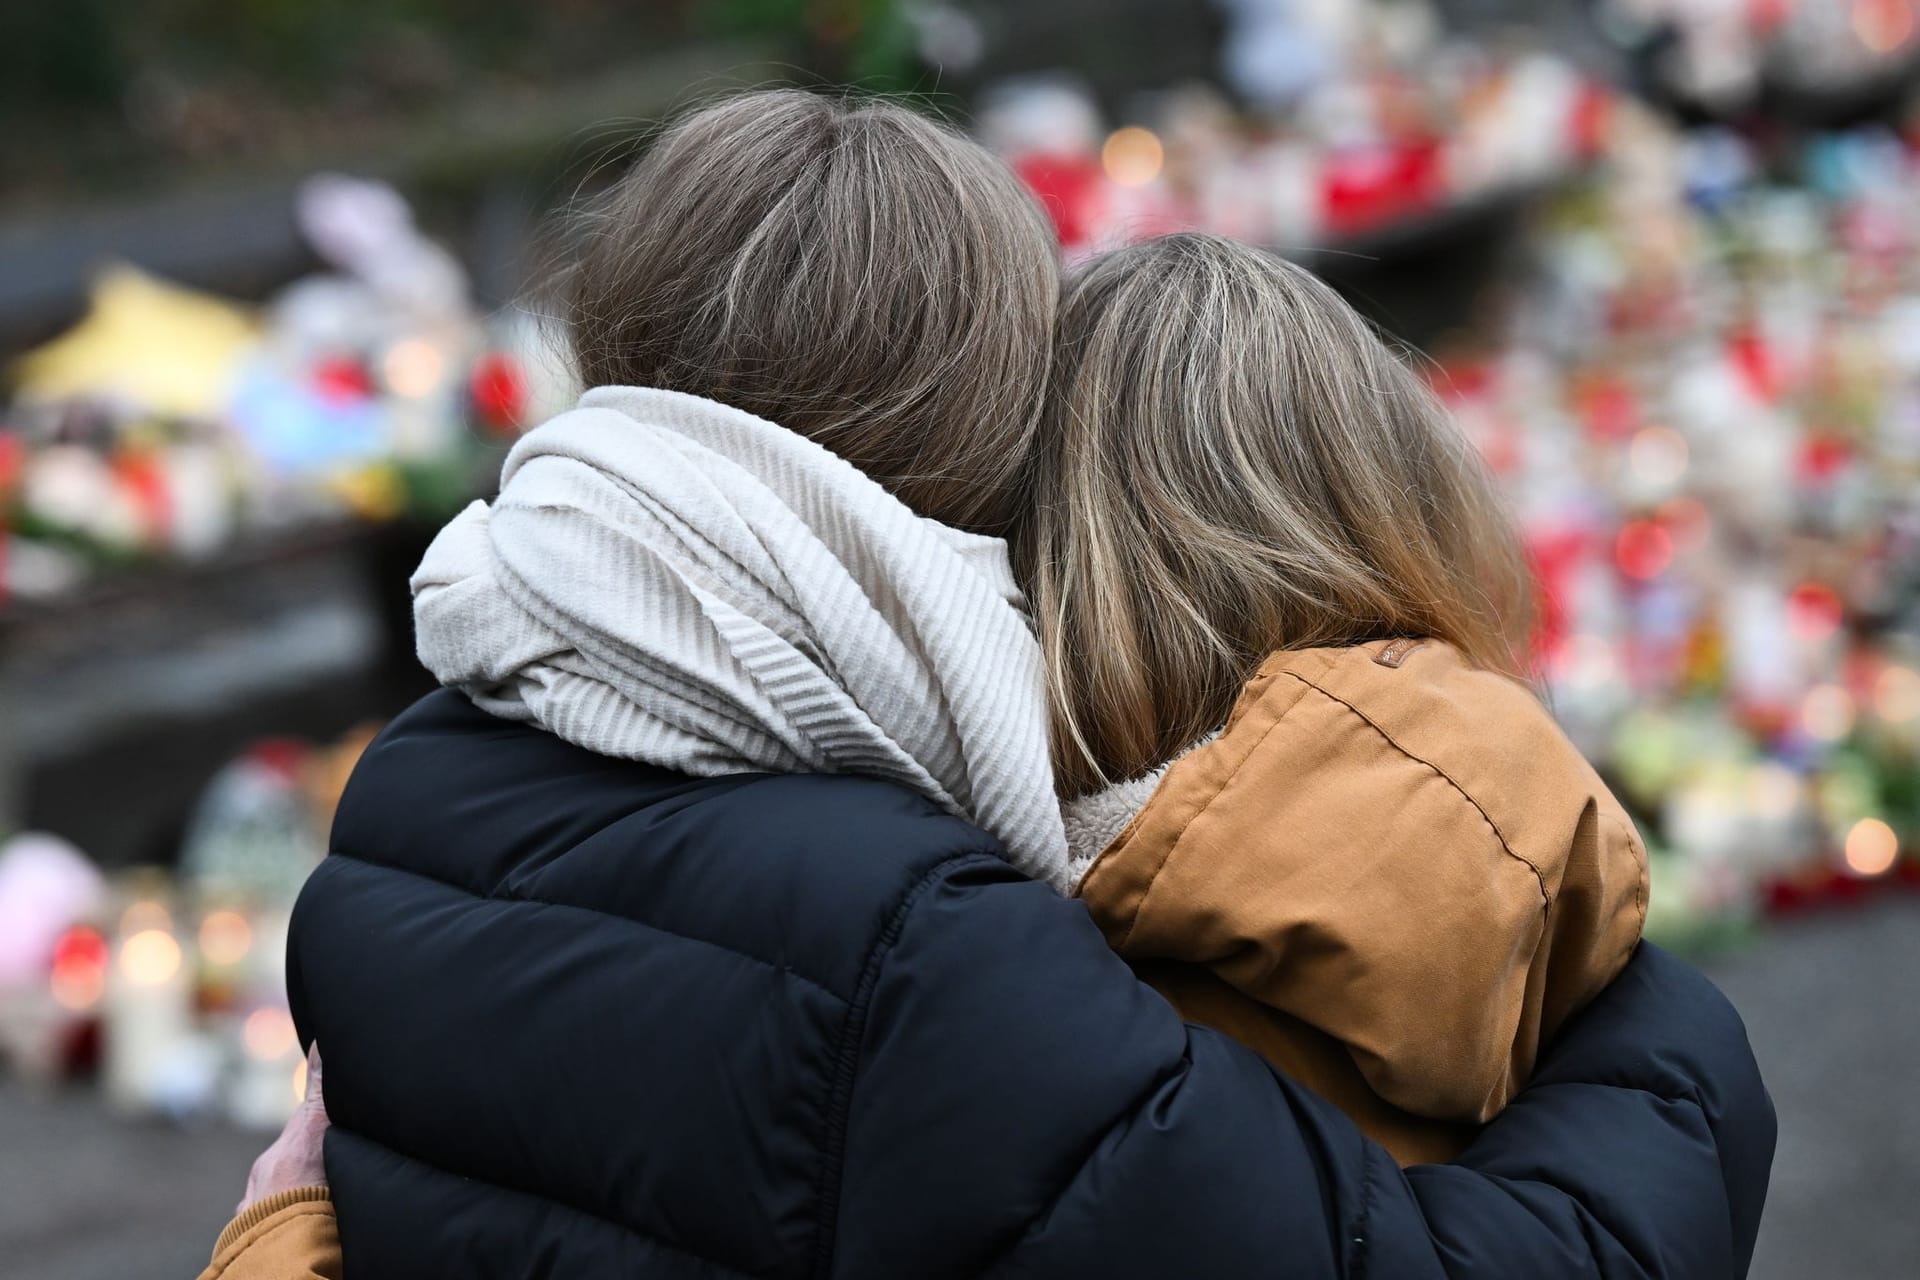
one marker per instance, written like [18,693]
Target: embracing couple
[941,774]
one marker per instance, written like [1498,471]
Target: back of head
[845,268]
[1236,465]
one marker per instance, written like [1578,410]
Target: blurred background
[270,311]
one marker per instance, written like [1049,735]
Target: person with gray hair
[710,921]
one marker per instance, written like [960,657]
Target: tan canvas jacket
[1391,874]
[291,1235]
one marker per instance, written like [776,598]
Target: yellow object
[376,491]
[172,351]
[291,1235]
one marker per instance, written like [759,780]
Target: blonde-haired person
[710,921]
[1285,618]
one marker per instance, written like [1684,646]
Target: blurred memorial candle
[268,1068]
[271,1074]
[148,1005]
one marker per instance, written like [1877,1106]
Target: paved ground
[1830,1002]
[86,1197]
[1833,1006]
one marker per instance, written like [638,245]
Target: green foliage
[85,54]
[867,44]
[65,56]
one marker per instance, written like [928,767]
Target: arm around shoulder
[1641,1149]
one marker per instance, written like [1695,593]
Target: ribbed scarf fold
[667,579]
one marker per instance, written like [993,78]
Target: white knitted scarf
[667,579]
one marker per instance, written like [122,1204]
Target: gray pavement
[87,1196]
[1830,1002]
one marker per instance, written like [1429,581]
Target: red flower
[498,388]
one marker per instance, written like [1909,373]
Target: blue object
[297,429]
[1718,167]
[587,1018]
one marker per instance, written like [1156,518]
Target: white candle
[147,1015]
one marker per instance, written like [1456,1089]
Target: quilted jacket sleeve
[1642,1148]
[1126,1143]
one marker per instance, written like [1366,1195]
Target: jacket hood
[1397,849]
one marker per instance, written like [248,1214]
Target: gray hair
[848,269]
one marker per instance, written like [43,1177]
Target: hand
[294,1160]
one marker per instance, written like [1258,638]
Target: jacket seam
[784,970]
[1640,884]
[827,1178]
[1173,846]
[652,1239]
[1690,1095]
[1046,1210]
[1546,898]
[1362,1230]
[1585,1217]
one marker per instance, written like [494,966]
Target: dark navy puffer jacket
[585,1018]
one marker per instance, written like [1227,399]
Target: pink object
[1370,187]
[1071,189]
[46,884]
[341,381]
[499,389]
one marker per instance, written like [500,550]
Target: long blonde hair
[844,267]
[1236,464]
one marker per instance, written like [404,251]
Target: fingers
[313,1094]
[297,1157]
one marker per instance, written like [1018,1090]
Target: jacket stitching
[784,970]
[653,1240]
[1361,1232]
[1173,847]
[1687,1094]
[1640,881]
[827,1179]
[1546,898]
[1046,1211]
[1586,1218]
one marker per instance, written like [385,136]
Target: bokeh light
[1774,791]
[1827,715]
[225,938]
[1815,611]
[1658,456]
[1872,847]
[150,958]
[1132,156]
[1896,695]
[1883,26]
[1643,550]
[413,367]
[79,968]
[269,1034]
